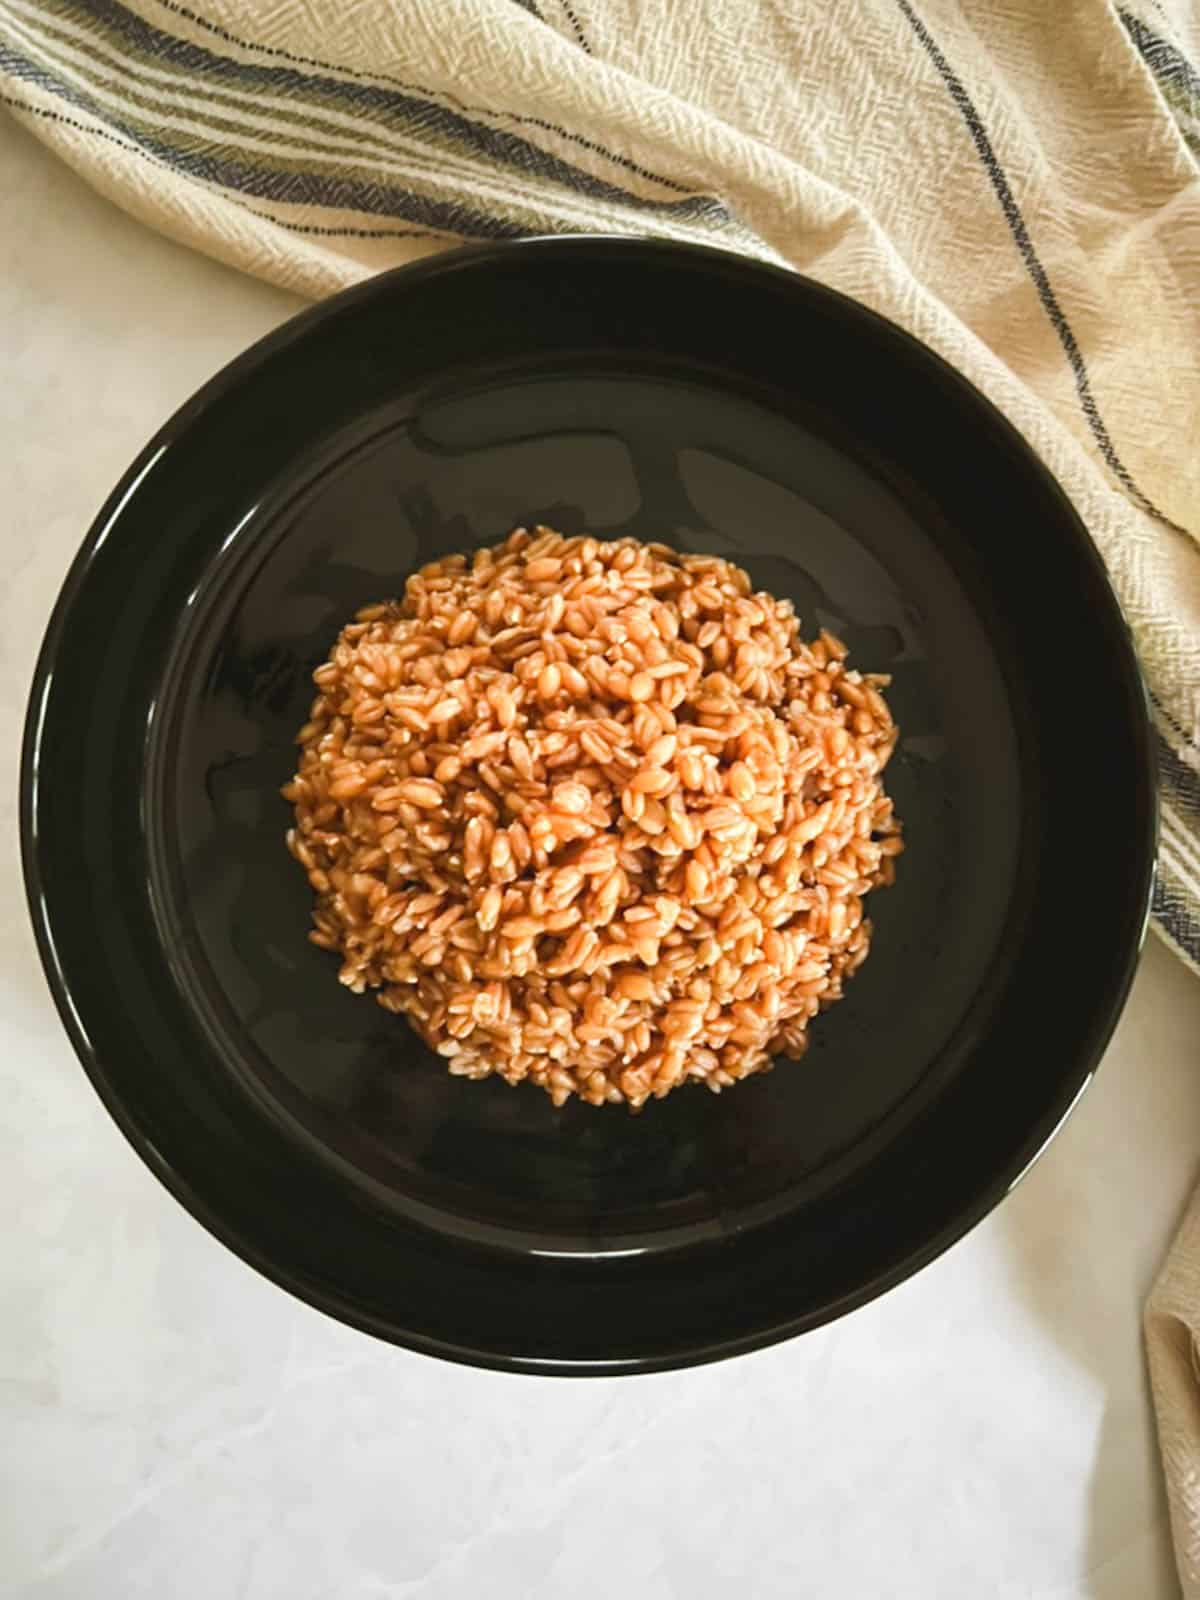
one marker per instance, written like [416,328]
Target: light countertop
[173,1426]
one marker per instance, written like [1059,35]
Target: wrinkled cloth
[1017,184]
[1173,1349]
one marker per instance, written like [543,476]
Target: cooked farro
[592,815]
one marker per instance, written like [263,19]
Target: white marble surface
[172,1426]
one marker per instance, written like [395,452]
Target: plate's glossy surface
[623,387]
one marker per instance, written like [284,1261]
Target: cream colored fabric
[1016,183]
[1173,1346]
[1013,182]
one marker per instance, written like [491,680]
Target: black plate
[623,387]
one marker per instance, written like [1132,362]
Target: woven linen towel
[1018,184]
[1173,1347]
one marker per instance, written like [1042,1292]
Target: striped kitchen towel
[1016,183]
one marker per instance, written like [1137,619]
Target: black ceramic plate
[625,388]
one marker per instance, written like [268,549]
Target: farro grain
[593,815]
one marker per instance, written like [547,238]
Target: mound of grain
[593,816]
